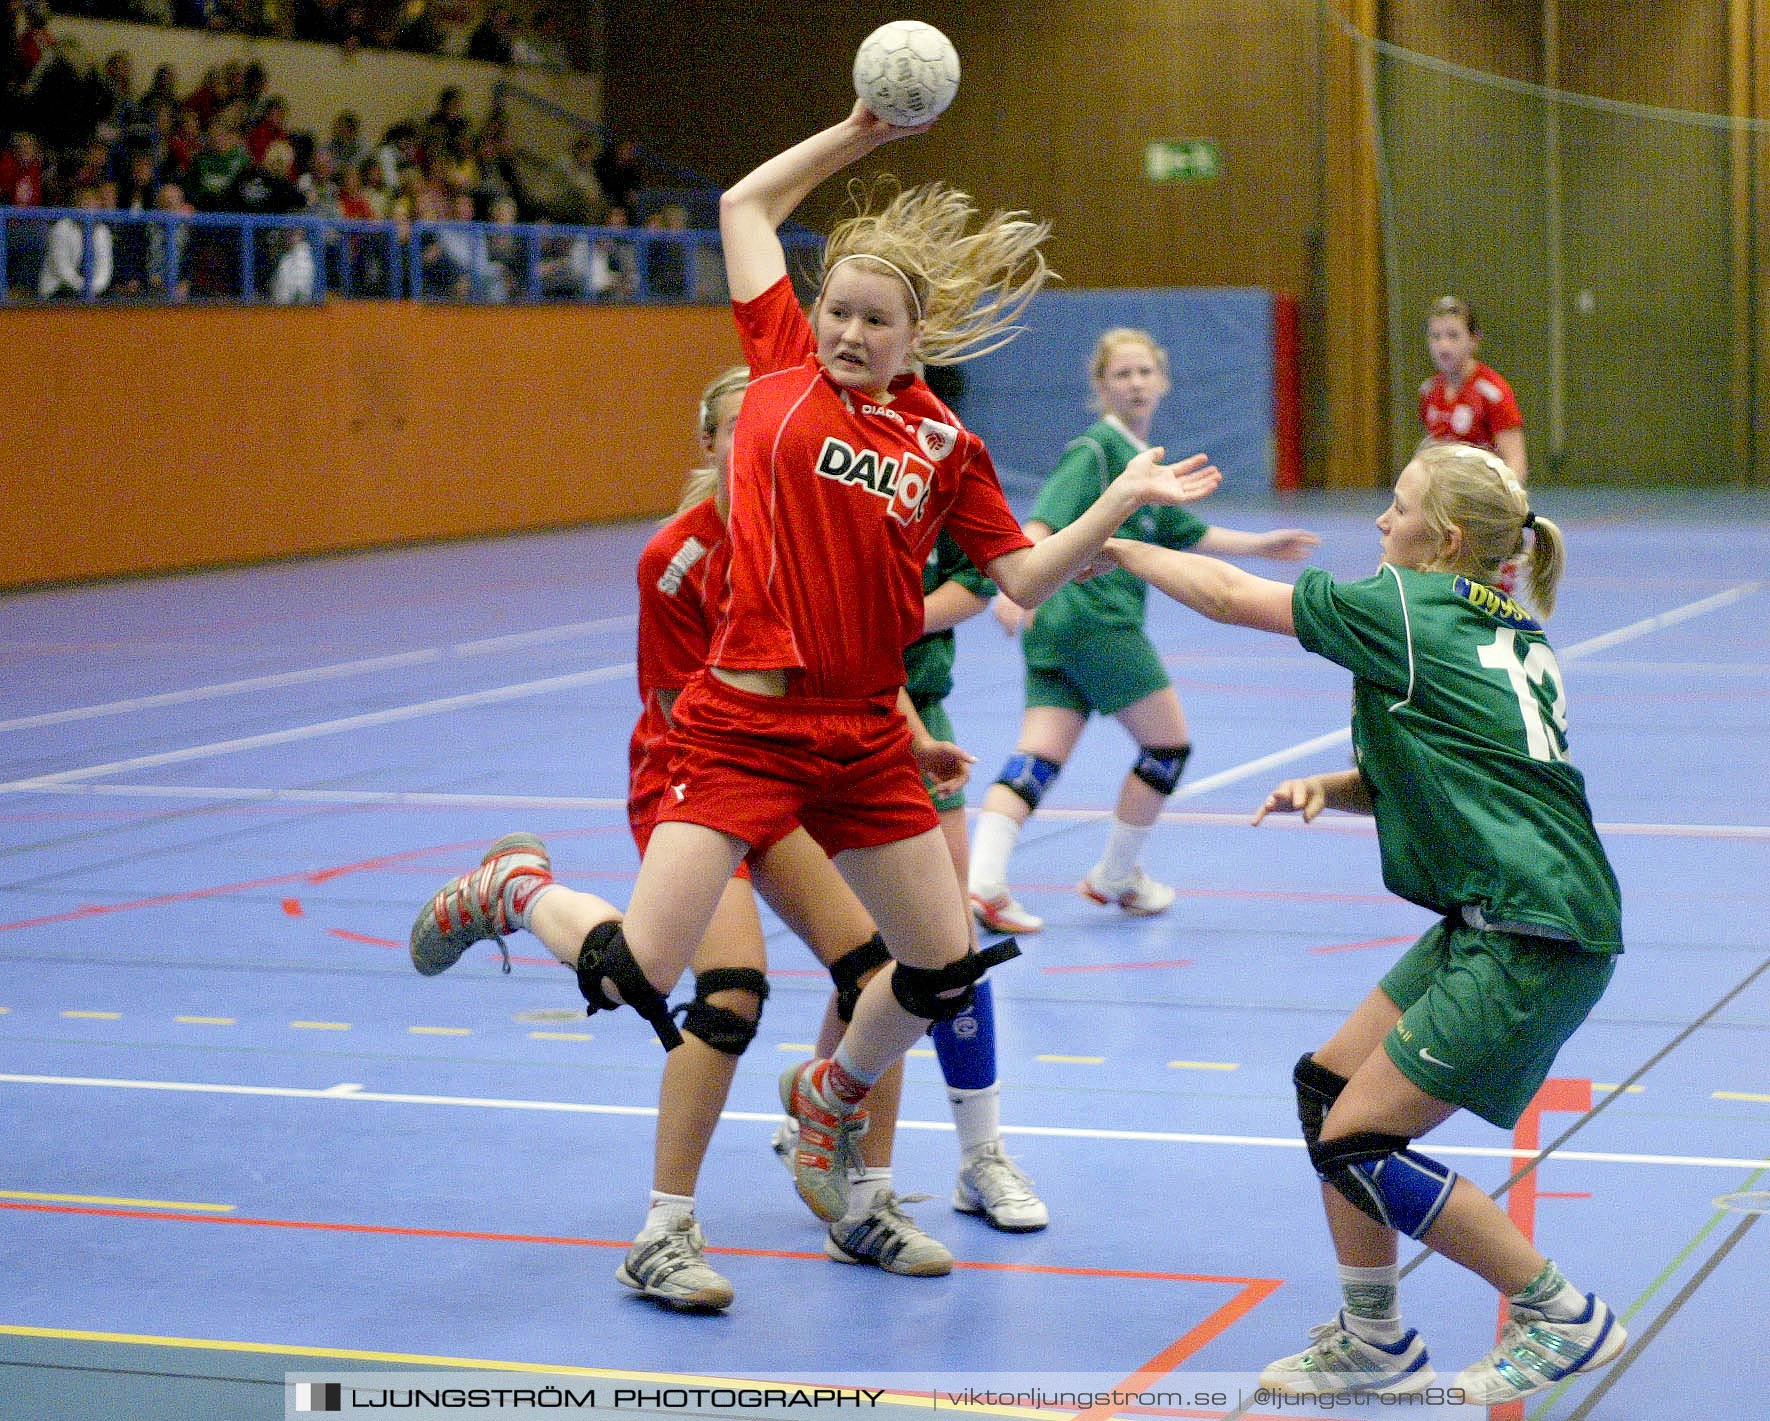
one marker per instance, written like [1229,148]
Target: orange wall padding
[153,439]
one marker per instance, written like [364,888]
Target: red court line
[1118,966]
[1361,946]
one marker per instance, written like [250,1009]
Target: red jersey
[681,573]
[1481,408]
[836,502]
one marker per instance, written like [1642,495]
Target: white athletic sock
[667,1210]
[1372,1310]
[992,845]
[1552,1295]
[866,1190]
[977,1115]
[520,896]
[1124,850]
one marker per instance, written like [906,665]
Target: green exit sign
[1183,160]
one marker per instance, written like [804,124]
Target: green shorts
[1101,670]
[940,726]
[1483,1014]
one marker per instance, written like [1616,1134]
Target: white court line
[351,1092]
[328,727]
[337,670]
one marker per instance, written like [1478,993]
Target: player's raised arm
[1218,590]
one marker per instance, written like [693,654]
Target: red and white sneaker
[828,1129]
[470,908]
[1000,913]
[1139,895]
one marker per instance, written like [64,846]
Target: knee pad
[606,956]
[1028,776]
[942,993]
[1398,1187]
[1161,767]
[848,969]
[723,1029]
[1317,1090]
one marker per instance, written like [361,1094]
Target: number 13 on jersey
[1536,681]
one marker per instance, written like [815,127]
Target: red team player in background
[845,468]
[1467,401]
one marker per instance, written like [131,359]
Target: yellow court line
[1204,1065]
[4,1010]
[1739,1095]
[795,1046]
[561,1036]
[207,1020]
[1074,1060]
[920,1052]
[121,1203]
[94,1015]
[1626,1089]
[439,1030]
[320,1025]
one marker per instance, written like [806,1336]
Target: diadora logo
[937,439]
[905,485]
[885,410]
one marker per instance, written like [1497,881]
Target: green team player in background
[1087,653]
[1459,724]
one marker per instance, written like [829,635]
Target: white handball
[906,72]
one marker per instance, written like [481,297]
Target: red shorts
[755,766]
[644,794]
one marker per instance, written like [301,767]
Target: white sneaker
[669,1267]
[1139,895]
[1338,1360]
[888,1239]
[1535,1352]
[785,1141]
[999,913]
[994,1186]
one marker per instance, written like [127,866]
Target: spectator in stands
[136,191]
[166,246]
[217,167]
[140,180]
[448,120]
[60,98]
[65,261]
[163,89]
[614,264]
[220,87]
[254,81]
[371,189]
[346,144]
[506,254]
[496,155]
[667,273]
[418,31]
[93,167]
[21,171]
[454,165]
[399,149]
[491,40]
[267,187]
[621,171]
[454,257]
[35,44]
[215,15]
[271,127]
[540,46]
[319,185]
[186,142]
[581,201]
[293,279]
[121,110]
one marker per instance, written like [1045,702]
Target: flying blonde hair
[708,481]
[969,286]
[1473,489]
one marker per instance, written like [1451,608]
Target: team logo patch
[937,439]
[691,552]
[903,483]
[1496,604]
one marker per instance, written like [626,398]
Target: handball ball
[906,72]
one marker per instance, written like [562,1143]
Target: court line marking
[337,670]
[1060,1132]
[27,1194]
[318,729]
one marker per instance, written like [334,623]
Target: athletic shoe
[669,1267]
[888,1239]
[1002,914]
[991,1184]
[470,908]
[1139,895]
[825,1148]
[785,1141]
[1535,1352]
[1337,1360]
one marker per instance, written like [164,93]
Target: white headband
[896,270]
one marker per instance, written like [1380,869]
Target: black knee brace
[1317,1090]
[942,993]
[605,955]
[848,969]
[1160,767]
[720,1027]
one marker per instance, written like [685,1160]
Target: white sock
[1124,850]
[1552,1295]
[866,1190]
[977,1115]
[992,845]
[520,899]
[1371,1310]
[666,1212]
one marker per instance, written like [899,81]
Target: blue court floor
[243,1139]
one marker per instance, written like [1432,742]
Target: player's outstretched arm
[1218,590]
[1343,790]
[753,208]
[1282,544]
[1030,575]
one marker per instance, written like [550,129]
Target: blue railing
[171,258]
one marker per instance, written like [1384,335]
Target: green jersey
[1115,598]
[1459,723]
[928,661]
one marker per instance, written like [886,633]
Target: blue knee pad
[1398,1187]
[1029,776]
[966,1045]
